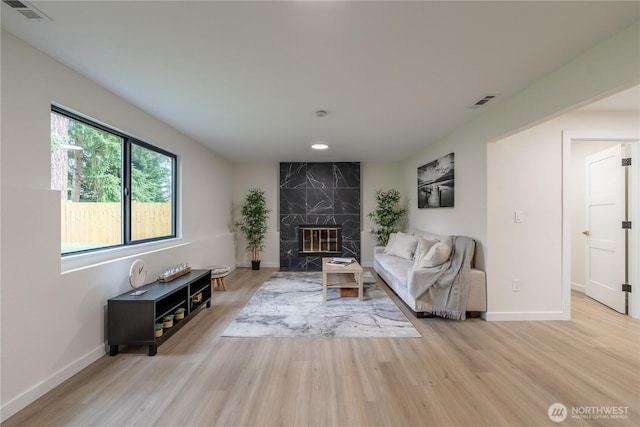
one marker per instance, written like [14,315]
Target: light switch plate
[518,216]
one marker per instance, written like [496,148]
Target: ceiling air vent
[15,4]
[26,10]
[483,101]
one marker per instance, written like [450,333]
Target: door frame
[634,214]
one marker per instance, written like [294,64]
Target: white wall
[468,216]
[579,152]
[38,290]
[376,176]
[606,68]
[525,173]
[265,176]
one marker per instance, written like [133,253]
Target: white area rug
[289,304]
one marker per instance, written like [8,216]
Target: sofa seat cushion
[395,267]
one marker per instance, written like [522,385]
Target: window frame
[125,185]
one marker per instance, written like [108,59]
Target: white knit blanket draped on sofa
[446,287]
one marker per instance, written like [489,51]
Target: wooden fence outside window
[101,223]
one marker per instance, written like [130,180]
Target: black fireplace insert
[316,239]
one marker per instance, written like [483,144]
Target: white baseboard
[577,287]
[526,316]
[29,396]
[262,264]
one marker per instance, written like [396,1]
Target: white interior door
[605,211]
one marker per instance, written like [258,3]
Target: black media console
[132,319]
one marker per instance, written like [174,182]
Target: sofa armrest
[478,292]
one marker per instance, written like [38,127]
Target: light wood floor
[470,373]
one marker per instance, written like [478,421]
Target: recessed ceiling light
[319,146]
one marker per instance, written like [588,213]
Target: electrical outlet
[515,285]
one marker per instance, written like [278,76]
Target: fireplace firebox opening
[320,240]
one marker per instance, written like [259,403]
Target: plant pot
[255,265]
[167,324]
[179,316]
[158,333]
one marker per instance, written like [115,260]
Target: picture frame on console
[436,183]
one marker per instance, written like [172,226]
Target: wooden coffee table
[341,276]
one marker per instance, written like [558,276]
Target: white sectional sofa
[433,274]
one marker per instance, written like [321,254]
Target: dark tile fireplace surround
[320,194]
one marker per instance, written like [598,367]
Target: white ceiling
[245,78]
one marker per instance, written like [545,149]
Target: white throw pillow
[437,255]
[390,242]
[401,245]
[422,249]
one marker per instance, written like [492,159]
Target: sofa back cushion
[437,254]
[423,247]
[436,237]
[429,236]
[402,245]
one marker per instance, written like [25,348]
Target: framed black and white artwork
[435,183]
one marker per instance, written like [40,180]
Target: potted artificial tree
[387,215]
[254,224]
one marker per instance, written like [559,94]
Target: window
[115,190]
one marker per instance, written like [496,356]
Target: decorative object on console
[435,183]
[167,321]
[179,313]
[254,224]
[387,215]
[137,274]
[174,272]
[159,328]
